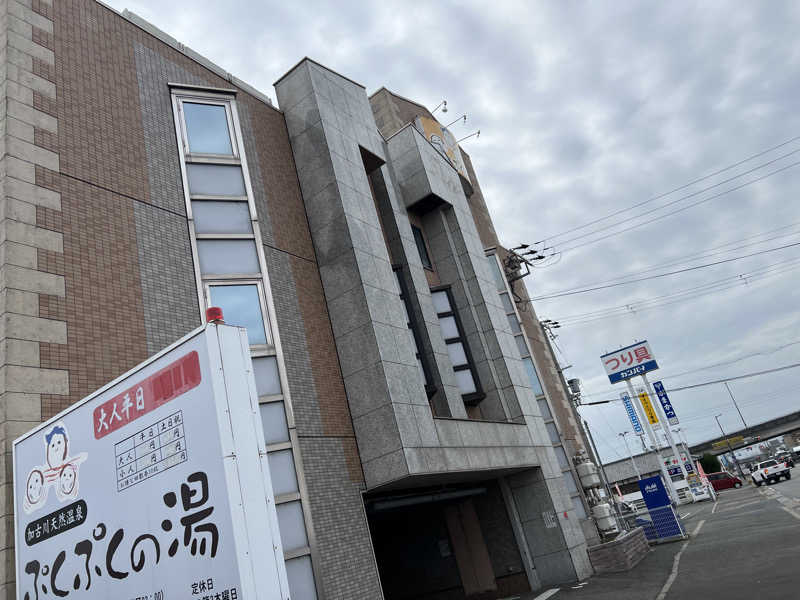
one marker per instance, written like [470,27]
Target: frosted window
[281,468]
[564,464]
[220,216]
[522,346]
[449,328]
[227,256]
[534,378]
[241,306]
[544,409]
[499,280]
[514,323]
[215,180]
[552,431]
[507,304]
[273,419]
[268,381]
[457,355]
[207,128]
[441,302]
[465,382]
[580,511]
[301,578]
[292,526]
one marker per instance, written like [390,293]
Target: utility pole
[733,454]
[730,393]
[630,454]
[602,470]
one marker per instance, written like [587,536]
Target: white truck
[770,470]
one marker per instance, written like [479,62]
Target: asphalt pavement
[744,546]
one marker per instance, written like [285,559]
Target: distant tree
[710,463]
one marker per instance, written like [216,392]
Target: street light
[728,441]
[730,393]
[630,454]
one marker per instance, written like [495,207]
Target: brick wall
[128,285]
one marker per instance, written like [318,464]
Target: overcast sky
[586,109]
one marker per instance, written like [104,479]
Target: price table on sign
[150,451]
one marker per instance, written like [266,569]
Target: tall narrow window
[419,238]
[232,274]
[421,363]
[457,349]
[533,377]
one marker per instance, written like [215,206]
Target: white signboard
[628,362]
[155,487]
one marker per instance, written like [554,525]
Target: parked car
[770,470]
[724,481]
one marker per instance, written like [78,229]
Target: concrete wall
[27,129]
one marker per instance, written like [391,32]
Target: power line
[720,285]
[681,209]
[682,198]
[707,383]
[688,258]
[672,191]
[659,275]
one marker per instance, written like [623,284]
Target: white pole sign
[155,487]
[628,362]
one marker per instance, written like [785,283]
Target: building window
[515,325]
[207,127]
[422,364]
[242,304]
[457,348]
[422,248]
[231,273]
[527,360]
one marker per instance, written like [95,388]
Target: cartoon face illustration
[33,489]
[67,479]
[56,442]
[60,471]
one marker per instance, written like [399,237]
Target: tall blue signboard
[672,418]
[664,523]
[637,426]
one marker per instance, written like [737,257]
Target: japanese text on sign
[665,403]
[168,383]
[634,418]
[628,362]
[199,536]
[150,451]
[649,412]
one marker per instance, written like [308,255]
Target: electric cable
[678,210]
[672,191]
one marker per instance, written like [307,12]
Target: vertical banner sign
[672,418]
[637,426]
[154,486]
[649,412]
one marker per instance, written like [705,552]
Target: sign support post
[630,454]
[654,441]
[667,432]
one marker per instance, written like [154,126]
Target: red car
[724,481]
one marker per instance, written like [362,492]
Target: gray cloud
[585,108]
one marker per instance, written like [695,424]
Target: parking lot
[743,546]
